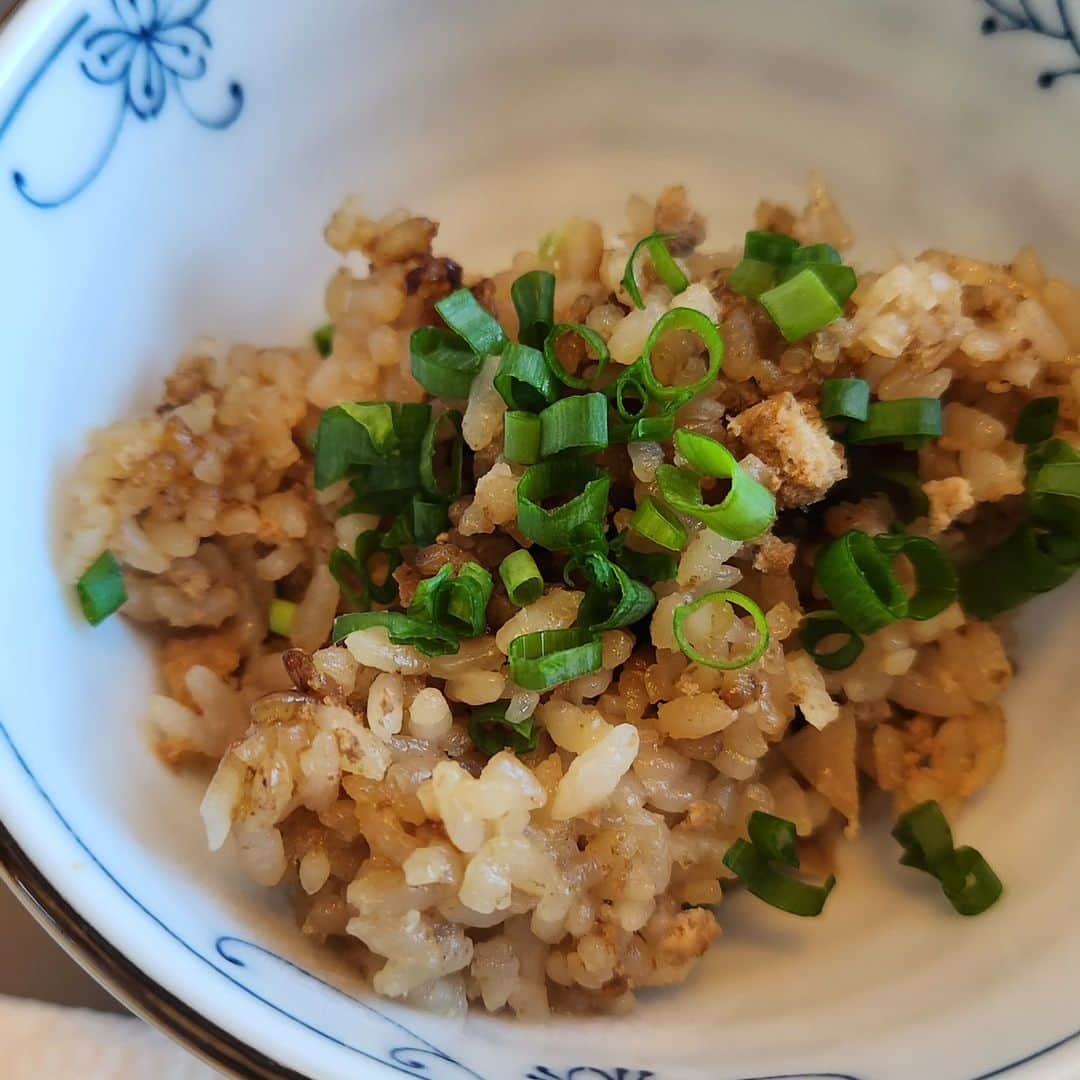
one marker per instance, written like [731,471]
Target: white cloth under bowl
[49,1042]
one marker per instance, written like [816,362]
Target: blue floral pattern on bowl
[1029,16]
[145,49]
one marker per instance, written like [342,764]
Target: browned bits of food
[456,834]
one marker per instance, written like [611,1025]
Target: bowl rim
[20,29]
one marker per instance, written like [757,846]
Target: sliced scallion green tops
[101,589]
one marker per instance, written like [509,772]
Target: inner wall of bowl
[501,121]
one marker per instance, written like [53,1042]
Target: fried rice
[573,873]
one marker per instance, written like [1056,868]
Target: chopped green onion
[360,433]
[694,322]
[841,281]
[101,589]
[576,423]
[746,511]
[323,340]
[1037,420]
[897,421]
[468,597]
[667,269]
[966,878]
[281,617]
[856,576]
[442,363]
[847,399]
[461,311]
[450,486]
[612,599]
[770,247]
[353,576]
[521,437]
[524,379]
[429,519]
[491,732]
[643,566]
[588,487]
[802,304]
[431,594]
[399,535]
[653,522]
[1057,478]
[523,580]
[631,382]
[653,429]
[726,596]
[819,625]
[548,658]
[533,295]
[752,277]
[935,577]
[1025,564]
[597,347]
[909,484]
[401,629]
[774,837]
[816,254]
[788,894]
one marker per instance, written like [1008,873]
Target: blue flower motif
[155,39]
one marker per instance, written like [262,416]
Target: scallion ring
[578,423]
[845,399]
[654,523]
[736,599]
[491,732]
[533,295]
[667,269]
[101,589]
[857,577]
[521,437]
[819,625]
[449,486]
[595,345]
[902,420]
[522,578]
[547,658]
[691,321]
[442,363]
[587,487]
[524,379]
[778,890]
[461,311]
[425,637]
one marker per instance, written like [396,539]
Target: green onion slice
[1037,420]
[348,435]
[841,281]
[597,347]
[467,601]
[919,419]
[935,577]
[576,423]
[449,486]
[818,254]
[631,384]
[752,277]
[323,340]
[655,523]
[1057,478]
[966,878]
[282,613]
[587,487]
[667,269]
[521,437]
[847,399]
[401,629]
[612,599]
[461,311]
[819,625]
[523,580]
[429,519]
[696,323]
[101,589]
[774,837]
[491,732]
[736,599]
[524,379]
[643,566]
[770,247]
[353,575]
[746,511]
[857,577]
[533,295]
[442,363]
[653,429]
[788,894]
[802,304]
[547,658]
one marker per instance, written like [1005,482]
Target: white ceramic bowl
[166,167]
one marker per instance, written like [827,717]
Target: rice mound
[572,876]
